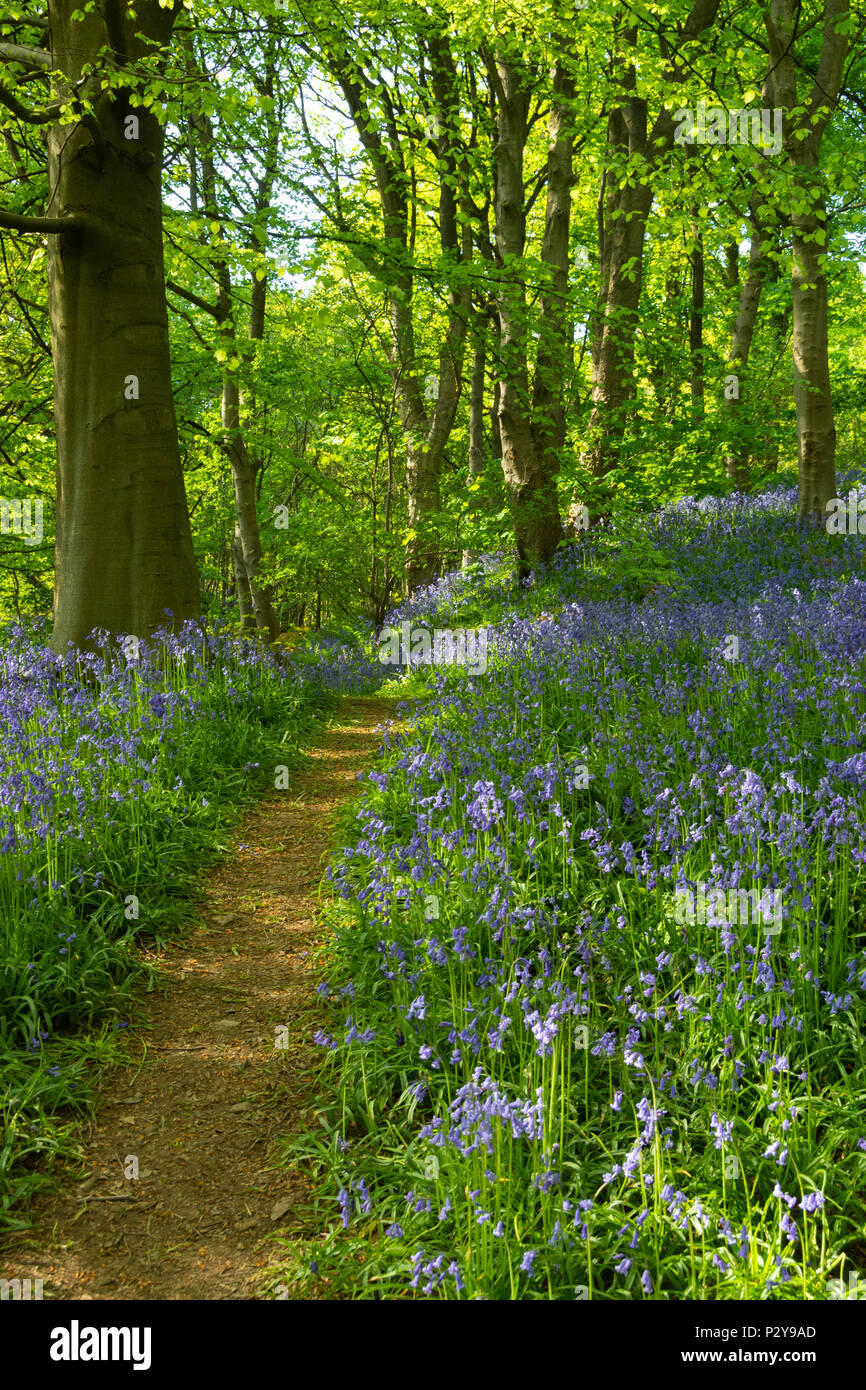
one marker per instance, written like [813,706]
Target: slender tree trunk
[625,200]
[242,584]
[816,428]
[427,409]
[696,322]
[732,264]
[555,357]
[622,237]
[495,431]
[529,448]
[762,267]
[476,416]
[425,463]
[247,532]
[742,333]
[804,124]
[779,391]
[476,409]
[244,484]
[124,550]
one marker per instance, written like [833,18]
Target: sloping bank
[571,1053]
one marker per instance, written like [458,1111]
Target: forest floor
[220,1065]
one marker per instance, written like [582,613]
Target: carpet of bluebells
[550,1085]
[117,769]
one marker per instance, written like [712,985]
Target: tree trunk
[248,543]
[816,430]
[244,483]
[124,550]
[427,411]
[624,204]
[428,437]
[423,468]
[742,333]
[622,234]
[696,322]
[242,584]
[555,357]
[762,267]
[780,327]
[476,417]
[529,454]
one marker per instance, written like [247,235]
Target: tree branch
[113,14]
[24,21]
[16,223]
[212,309]
[80,91]
[9,100]
[30,57]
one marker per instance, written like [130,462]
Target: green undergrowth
[147,826]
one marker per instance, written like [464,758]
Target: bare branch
[212,309]
[29,57]
[16,223]
[24,21]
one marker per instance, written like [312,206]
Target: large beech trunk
[124,550]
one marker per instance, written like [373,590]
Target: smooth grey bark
[124,550]
[554,357]
[737,456]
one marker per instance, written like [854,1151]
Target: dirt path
[209,1086]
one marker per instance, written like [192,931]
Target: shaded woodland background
[435,280]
